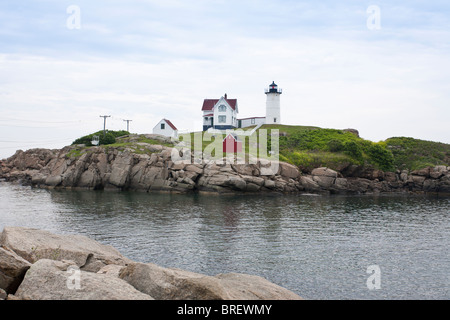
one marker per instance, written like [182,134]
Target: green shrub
[105,139]
[382,157]
[414,154]
[353,149]
[335,145]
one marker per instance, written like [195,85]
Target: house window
[253,121]
[222,119]
[222,108]
[274,120]
[163,126]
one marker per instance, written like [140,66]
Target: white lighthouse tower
[273,104]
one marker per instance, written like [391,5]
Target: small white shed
[166,128]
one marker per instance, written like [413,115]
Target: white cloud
[384,83]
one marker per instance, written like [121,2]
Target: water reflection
[318,247]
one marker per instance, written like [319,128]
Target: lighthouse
[273,104]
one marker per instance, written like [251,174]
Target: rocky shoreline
[39,265]
[153,170]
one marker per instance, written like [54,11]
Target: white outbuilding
[166,128]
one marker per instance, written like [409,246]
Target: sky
[381,67]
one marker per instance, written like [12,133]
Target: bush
[353,150]
[335,145]
[382,157]
[414,154]
[108,138]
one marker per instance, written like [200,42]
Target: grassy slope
[312,147]
[414,154]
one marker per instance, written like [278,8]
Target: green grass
[307,161]
[414,154]
[311,147]
[76,153]
[122,140]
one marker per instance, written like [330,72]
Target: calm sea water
[317,246]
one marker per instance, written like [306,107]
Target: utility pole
[128,124]
[104,124]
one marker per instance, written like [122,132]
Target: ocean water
[320,247]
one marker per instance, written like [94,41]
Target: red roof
[209,115]
[170,124]
[208,104]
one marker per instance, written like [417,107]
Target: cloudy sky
[381,67]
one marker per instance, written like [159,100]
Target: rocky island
[144,163]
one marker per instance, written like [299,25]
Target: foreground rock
[33,244]
[12,269]
[39,265]
[175,284]
[55,280]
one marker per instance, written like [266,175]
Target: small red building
[231,144]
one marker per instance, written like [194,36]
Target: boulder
[111,269]
[289,170]
[391,177]
[120,169]
[255,180]
[62,280]
[194,168]
[358,185]
[425,172]
[438,172]
[309,184]
[3,294]
[418,180]
[404,175]
[444,184]
[341,184]
[250,287]
[149,176]
[324,172]
[89,179]
[270,184]
[268,171]
[324,181]
[33,244]
[12,270]
[175,284]
[237,183]
[352,131]
[246,169]
[430,185]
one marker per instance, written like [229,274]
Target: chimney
[225,95]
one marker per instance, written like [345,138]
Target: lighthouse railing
[267,90]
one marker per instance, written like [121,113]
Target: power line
[38,121]
[34,141]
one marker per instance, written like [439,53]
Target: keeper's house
[221,114]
